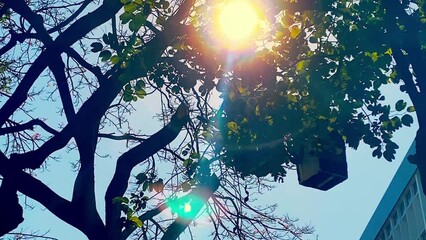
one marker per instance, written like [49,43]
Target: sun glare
[237,23]
[187,208]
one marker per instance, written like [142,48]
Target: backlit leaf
[136,221]
[295,31]
[233,126]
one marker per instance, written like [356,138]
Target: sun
[237,22]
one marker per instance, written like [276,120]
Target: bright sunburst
[237,23]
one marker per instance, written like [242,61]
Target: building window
[408,197]
[395,218]
[388,231]
[401,209]
[414,188]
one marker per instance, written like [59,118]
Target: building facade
[401,214]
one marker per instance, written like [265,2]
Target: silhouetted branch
[28,126]
[133,157]
[202,194]
[58,69]
[19,235]
[126,137]
[75,32]
[79,59]
[70,18]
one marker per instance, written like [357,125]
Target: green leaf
[96,47]
[233,126]
[186,186]
[160,20]
[136,221]
[407,120]
[140,93]
[187,162]
[127,97]
[299,65]
[166,4]
[411,109]
[374,56]
[145,186]
[400,105]
[105,55]
[133,26]
[140,19]
[393,74]
[126,17]
[130,7]
[140,84]
[292,97]
[141,177]
[295,31]
[175,89]
[396,122]
[120,200]
[389,51]
[115,59]
[194,155]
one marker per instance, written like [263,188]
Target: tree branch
[3,10]
[36,21]
[405,75]
[75,32]
[149,215]
[58,67]
[95,70]
[60,207]
[133,157]
[71,18]
[14,38]
[202,194]
[28,126]
[126,137]
[38,191]
[90,113]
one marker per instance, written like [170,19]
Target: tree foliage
[313,77]
[329,84]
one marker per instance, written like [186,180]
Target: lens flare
[237,22]
[187,208]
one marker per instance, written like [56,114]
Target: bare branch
[58,67]
[75,32]
[71,18]
[28,126]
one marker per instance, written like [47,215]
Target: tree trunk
[10,210]
[419,158]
